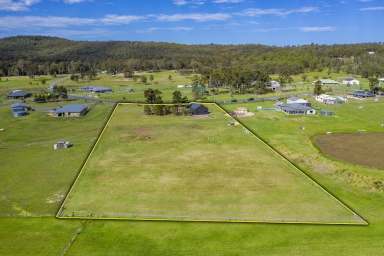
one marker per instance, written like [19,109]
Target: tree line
[37,55]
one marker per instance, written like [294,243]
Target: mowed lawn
[34,178]
[188,168]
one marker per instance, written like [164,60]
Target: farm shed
[297,109]
[72,110]
[20,109]
[96,89]
[331,100]
[198,109]
[19,94]
[62,144]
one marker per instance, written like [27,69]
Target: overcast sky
[198,21]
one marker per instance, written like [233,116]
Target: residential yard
[34,178]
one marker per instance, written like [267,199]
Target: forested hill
[32,55]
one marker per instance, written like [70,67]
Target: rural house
[327,82]
[351,81]
[363,94]
[20,109]
[297,109]
[298,101]
[330,100]
[72,110]
[19,94]
[96,89]
[198,109]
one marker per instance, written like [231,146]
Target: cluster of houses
[349,81]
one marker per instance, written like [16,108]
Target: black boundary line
[61,207]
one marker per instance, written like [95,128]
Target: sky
[272,22]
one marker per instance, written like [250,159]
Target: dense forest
[38,55]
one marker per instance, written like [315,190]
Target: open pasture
[194,169]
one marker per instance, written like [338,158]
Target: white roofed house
[351,81]
[330,100]
[296,100]
[327,82]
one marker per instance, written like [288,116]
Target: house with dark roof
[96,89]
[20,109]
[72,110]
[363,94]
[19,94]
[198,109]
[297,109]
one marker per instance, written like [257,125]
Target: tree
[143,79]
[170,77]
[151,78]
[304,77]
[153,96]
[178,97]
[373,83]
[128,74]
[318,88]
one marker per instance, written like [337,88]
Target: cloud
[199,17]
[253,12]
[201,2]
[14,22]
[15,6]
[121,19]
[318,29]
[154,29]
[372,8]
[75,1]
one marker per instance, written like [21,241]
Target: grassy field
[33,178]
[354,185]
[167,168]
[359,148]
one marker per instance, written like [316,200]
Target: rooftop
[72,108]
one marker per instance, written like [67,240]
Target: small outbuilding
[242,112]
[273,85]
[19,94]
[72,110]
[62,144]
[198,109]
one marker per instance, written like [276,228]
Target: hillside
[26,55]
